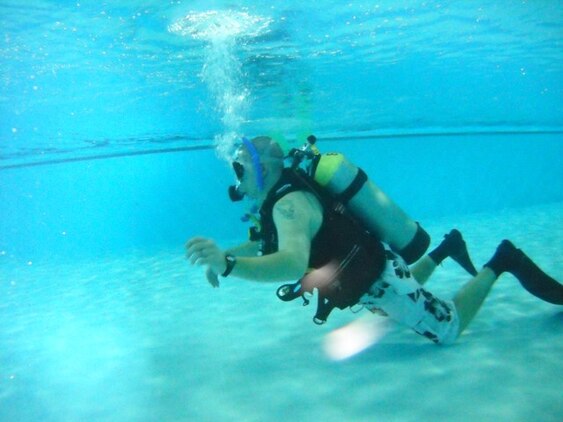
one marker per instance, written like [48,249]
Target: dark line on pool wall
[442,135]
[323,139]
[105,156]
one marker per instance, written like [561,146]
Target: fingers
[212,277]
[196,249]
[195,244]
[201,251]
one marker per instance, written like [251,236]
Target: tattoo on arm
[287,210]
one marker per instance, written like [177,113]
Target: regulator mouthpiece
[235,194]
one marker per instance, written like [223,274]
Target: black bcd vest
[345,258]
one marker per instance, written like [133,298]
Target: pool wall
[92,208]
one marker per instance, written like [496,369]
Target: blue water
[115,119]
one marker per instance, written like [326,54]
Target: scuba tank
[363,198]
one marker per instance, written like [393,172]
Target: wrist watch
[231,261]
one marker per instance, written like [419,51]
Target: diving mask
[234,191]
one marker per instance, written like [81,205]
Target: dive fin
[532,278]
[461,255]
[454,246]
[538,283]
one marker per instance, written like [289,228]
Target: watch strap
[231,262]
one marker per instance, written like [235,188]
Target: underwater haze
[117,124]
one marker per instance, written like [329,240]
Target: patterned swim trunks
[397,294]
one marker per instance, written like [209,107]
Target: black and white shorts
[403,299]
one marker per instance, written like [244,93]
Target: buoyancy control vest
[345,258]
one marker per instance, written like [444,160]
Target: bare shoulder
[298,204]
[298,214]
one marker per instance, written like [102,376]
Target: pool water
[117,124]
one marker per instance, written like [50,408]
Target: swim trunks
[398,295]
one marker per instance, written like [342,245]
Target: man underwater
[307,234]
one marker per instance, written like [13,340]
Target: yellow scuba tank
[366,201]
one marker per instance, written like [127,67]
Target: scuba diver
[324,223]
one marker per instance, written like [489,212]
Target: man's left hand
[212,277]
[202,251]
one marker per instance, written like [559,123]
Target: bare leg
[423,269]
[469,299]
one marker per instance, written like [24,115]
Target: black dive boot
[533,279]
[454,246]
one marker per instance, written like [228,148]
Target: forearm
[245,249]
[287,264]
[279,266]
